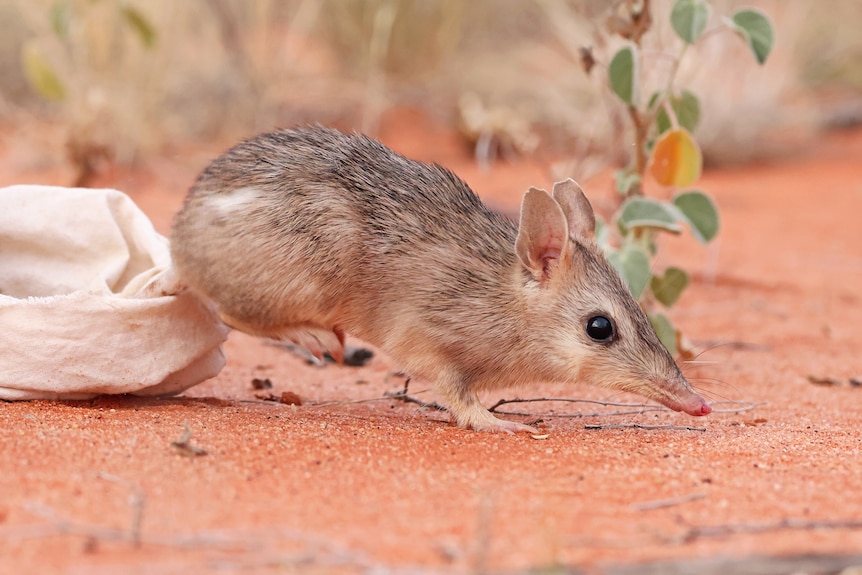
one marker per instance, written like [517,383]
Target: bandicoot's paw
[494,424]
[469,413]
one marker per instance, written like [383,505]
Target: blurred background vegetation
[122,78]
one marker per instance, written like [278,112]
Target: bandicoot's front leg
[468,411]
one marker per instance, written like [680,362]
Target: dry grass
[225,68]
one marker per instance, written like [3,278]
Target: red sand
[385,487]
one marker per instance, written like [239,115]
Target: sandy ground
[381,486]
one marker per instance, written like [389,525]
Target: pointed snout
[689,402]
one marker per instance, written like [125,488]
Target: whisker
[714,386]
[733,345]
[718,407]
[716,397]
[709,380]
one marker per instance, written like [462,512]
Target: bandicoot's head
[596,332]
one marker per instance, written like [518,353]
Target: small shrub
[662,127]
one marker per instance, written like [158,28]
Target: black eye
[600,328]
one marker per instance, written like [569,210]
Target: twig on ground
[570,400]
[401,396]
[642,426]
[638,407]
[184,446]
[801,562]
[243,541]
[705,531]
[62,526]
[581,415]
[137,501]
[407,398]
[662,503]
[387,396]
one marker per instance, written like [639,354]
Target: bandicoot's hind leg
[315,339]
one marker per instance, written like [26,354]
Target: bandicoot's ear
[543,234]
[577,209]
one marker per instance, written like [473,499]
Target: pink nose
[696,406]
[691,403]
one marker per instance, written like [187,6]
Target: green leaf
[668,287]
[664,330]
[140,24]
[647,213]
[686,108]
[688,18]
[61,15]
[625,180]
[756,29]
[622,73]
[700,212]
[40,74]
[632,263]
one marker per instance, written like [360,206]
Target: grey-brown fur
[310,234]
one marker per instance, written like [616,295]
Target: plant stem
[641,132]
[642,21]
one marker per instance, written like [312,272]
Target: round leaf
[676,159]
[686,108]
[755,27]
[668,287]
[664,330]
[625,181]
[61,16]
[140,24]
[622,73]
[701,213]
[688,18]
[639,212]
[633,265]
[40,74]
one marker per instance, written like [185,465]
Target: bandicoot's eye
[600,328]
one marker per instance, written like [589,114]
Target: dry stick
[581,415]
[401,396]
[643,407]
[594,401]
[757,528]
[59,525]
[66,527]
[137,500]
[662,503]
[387,396]
[184,446]
[642,426]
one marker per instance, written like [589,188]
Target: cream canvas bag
[89,304]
